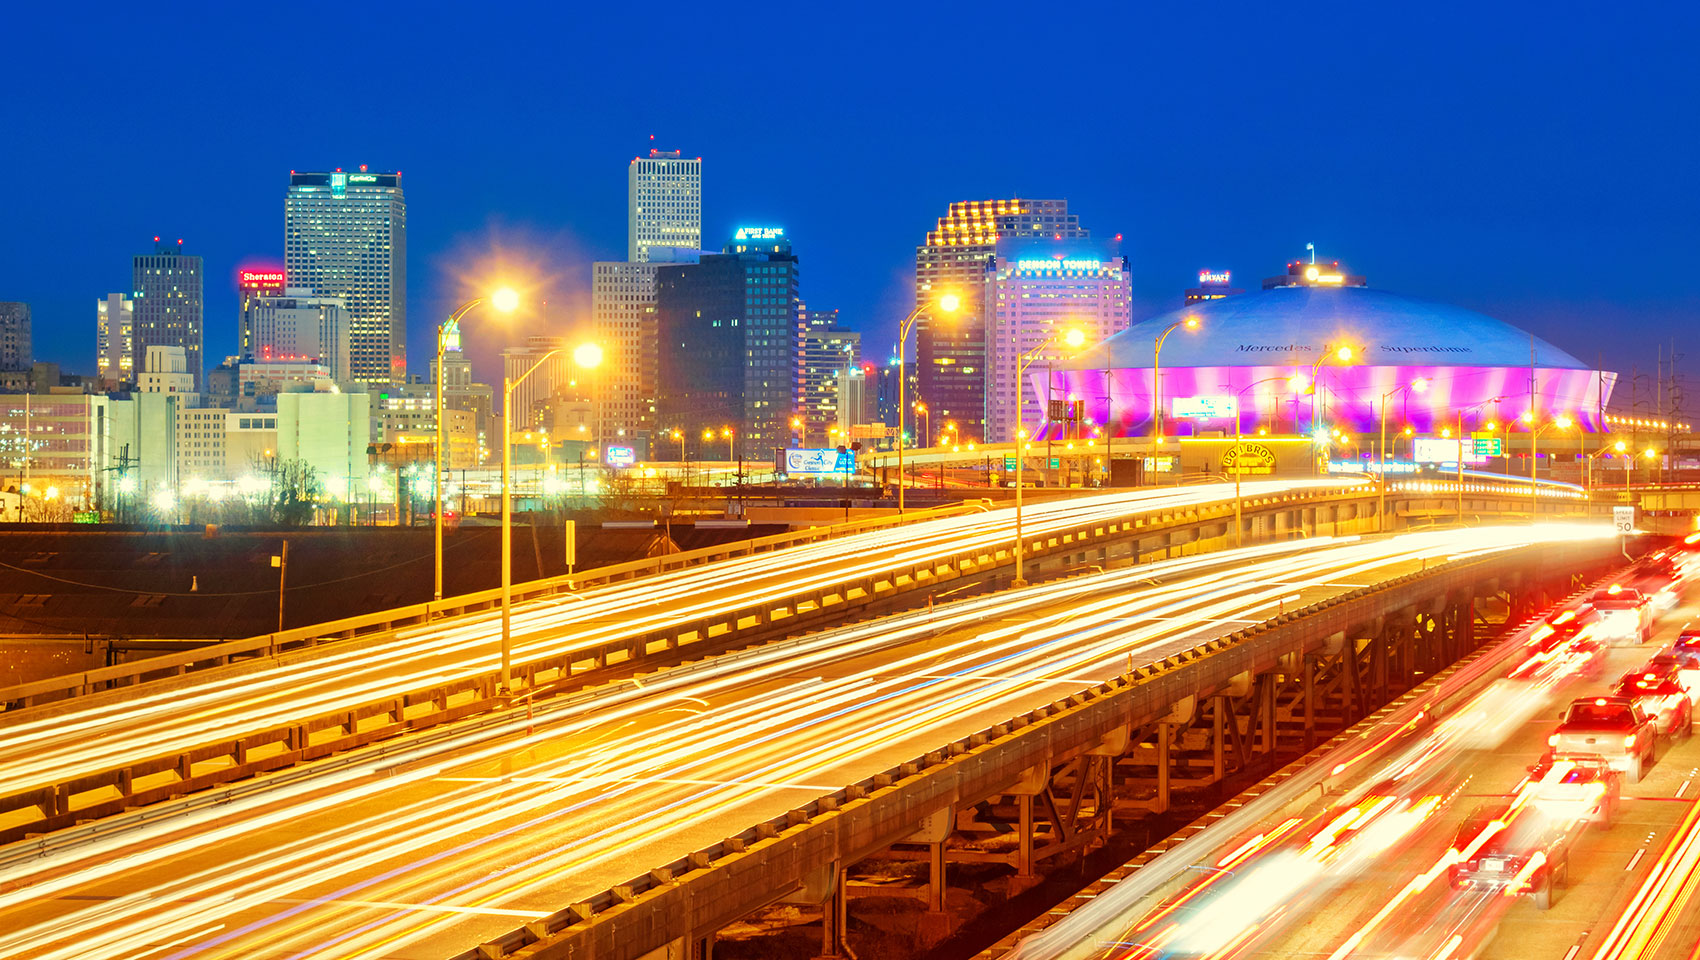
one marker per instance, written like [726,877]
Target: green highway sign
[1009,463]
[1056,463]
[1488,446]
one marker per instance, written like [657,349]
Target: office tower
[1212,285]
[253,282]
[664,203]
[461,393]
[115,341]
[829,354]
[15,350]
[293,325]
[950,349]
[167,308]
[345,236]
[531,397]
[622,299]
[730,343]
[1035,292]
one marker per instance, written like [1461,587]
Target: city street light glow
[587,355]
[950,302]
[505,299]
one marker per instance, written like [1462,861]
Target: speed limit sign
[1624,519]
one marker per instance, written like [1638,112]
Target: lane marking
[1635,859]
[1683,788]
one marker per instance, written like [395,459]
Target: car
[1688,638]
[1664,698]
[1686,663]
[1615,729]
[1506,850]
[1624,614]
[1565,644]
[1577,788]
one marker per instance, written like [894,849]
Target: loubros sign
[1248,458]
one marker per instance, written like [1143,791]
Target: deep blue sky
[1534,161]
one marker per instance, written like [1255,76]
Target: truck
[1624,615]
[1614,729]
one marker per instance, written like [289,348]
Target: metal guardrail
[717,884]
[270,644]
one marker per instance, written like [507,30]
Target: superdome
[1248,346]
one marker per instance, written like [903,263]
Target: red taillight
[1629,742]
[1552,741]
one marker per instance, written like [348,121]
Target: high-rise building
[829,353]
[622,298]
[531,397]
[294,325]
[1212,285]
[15,350]
[461,393]
[950,349]
[1035,292]
[115,339]
[345,236]
[167,309]
[730,335]
[664,203]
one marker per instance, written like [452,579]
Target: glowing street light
[1190,323]
[1419,385]
[503,300]
[946,303]
[1022,362]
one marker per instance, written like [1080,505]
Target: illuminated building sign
[362,178]
[1248,458]
[759,233]
[1317,276]
[621,457]
[1371,466]
[819,461]
[1205,276]
[1202,408]
[1031,266]
[260,279]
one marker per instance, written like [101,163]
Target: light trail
[441,845]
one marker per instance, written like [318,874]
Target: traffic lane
[736,820]
[1597,864]
[60,748]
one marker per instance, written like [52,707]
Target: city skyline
[1479,187]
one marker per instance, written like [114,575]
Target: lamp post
[1295,381]
[1418,385]
[508,385]
[946,304]
[1460,464]
[506,301]
[1191,323]
[679,435]
[924,438]
[1073,338]
[587,357]
[1562,423]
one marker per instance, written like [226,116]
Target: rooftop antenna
[1312,248]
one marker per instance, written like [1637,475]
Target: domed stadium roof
[1295,325]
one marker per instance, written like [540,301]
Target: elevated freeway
[542,819]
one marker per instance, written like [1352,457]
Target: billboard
[1202,408]
[819,461]
[621,457]
[1441,450]
[260,278]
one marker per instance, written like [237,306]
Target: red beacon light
[1600,702]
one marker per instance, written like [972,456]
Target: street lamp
[948,303]
[679,435]
[1562,423]
[504,300]
[1074,338]
[727,433]
[1191,323]
[1418,385]
[508,386]
[1298,383]
[924,437]
[1459,484]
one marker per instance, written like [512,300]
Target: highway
[425,851]
[1367,874]
[38,753]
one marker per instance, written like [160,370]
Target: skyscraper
[115,340]
[730,343]
[829,354]
[664,201]
[950,349]
[291,324]
[1035,292]
[167,309]
[15,350]
[532,395]
[622,300]
[345,235]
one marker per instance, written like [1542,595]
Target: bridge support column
[835,919]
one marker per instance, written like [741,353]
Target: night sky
[1533,161]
